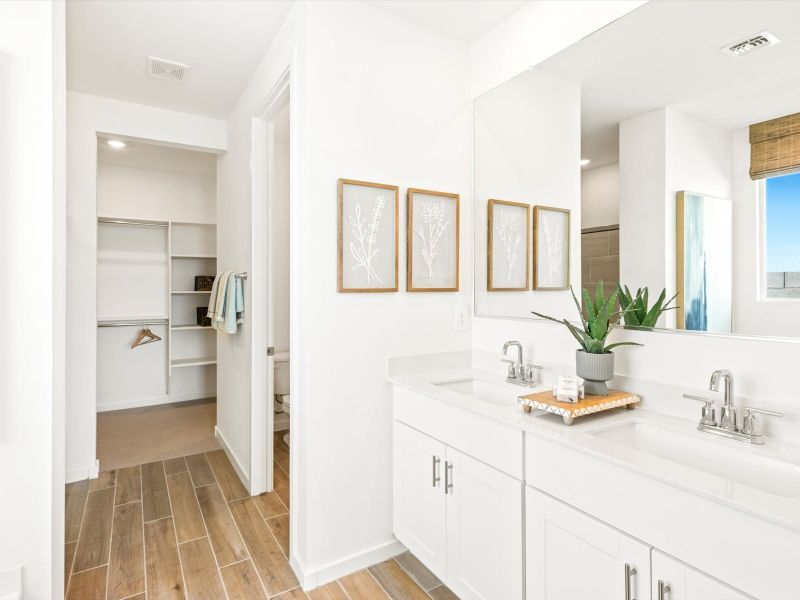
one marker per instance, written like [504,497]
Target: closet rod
[132,323]
[131,222]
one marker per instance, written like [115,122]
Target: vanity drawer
[495,444]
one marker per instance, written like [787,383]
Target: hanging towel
[234,304]
[212,299]
[219,306]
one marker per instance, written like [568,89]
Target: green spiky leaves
[635,310]
[598,319]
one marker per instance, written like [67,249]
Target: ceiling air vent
[166,69]
[752,43]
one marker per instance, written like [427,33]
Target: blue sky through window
[783,223]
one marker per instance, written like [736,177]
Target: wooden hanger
[145,337]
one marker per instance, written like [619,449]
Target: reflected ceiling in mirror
[642,131]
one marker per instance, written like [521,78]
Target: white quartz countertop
[763,481]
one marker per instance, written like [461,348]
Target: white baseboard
[311,578]
[232,457]
[155,400]
[91,472]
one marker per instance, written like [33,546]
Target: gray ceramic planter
[595,370]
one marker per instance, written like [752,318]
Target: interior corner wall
[86,116]
[32,92]
[387,101]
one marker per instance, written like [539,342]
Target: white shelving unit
[192,248]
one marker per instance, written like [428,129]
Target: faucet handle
[708,415]
[750,425]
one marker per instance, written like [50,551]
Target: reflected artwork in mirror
[679,169]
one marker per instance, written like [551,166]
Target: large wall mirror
[672,138]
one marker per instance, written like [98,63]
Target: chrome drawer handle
[663,590]
[436,478]
[630,573]
[448,476]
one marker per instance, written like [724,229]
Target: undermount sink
[483,390]
[740,464]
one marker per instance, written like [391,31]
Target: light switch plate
[461,318]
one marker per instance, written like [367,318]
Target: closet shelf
[196,256]
[190,327]
[189,292]
[193,362]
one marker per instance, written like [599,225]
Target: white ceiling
[108,43]
[667,54]
[462,19]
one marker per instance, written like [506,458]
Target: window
[782,236]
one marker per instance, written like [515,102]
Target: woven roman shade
[775,147]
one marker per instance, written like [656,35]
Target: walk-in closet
[156,261]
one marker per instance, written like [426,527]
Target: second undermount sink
[499,394]
[740,464]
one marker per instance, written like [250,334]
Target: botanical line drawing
[509,234]
[553,243]
[430,232]
[365,232]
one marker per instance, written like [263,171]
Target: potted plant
[594,359]
[634,309]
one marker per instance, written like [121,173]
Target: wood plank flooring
[185,528]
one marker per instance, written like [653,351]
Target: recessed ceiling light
[585,161]
[116,144]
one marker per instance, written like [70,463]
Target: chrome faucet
[727,416]
[519,372]
[728,425]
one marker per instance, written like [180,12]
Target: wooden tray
[569,410]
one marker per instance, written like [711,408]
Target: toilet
[282,402]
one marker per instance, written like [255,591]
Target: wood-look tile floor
[186,528]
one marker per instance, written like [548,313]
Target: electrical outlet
[461,318]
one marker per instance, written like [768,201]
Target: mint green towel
[234,304]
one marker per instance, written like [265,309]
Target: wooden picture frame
[448,218]
[491,284]
[543,281]
[367,225]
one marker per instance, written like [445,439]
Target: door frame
[262,418]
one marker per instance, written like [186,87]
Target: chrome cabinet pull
[630,573]
[436,478]
[448,477]
[663,590]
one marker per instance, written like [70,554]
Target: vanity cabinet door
[419,499]
[484,530]
[686,583]
[572,555]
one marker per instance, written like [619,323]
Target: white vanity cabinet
[454,510]
[571,555]
[673,580]
[420,518]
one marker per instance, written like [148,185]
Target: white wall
[361,124]
[527,149]
[535,32]
[31,245]
[280,243]
[600,196]
[87,116]
[163,194]
[642,181]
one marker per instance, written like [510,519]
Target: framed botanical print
[433,241]
[368,237]
[550,248]
[508,246]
